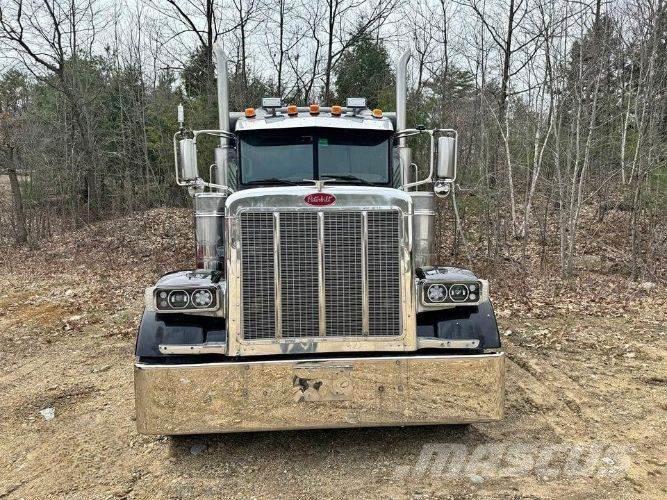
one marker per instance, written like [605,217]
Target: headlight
[436,293]
[178,299]
[202,298]
[184,300]
[458,293]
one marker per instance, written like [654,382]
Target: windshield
[271,156]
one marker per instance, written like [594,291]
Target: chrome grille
[383,273]
[298,274]
[257,271]
[328,253]
[342,273]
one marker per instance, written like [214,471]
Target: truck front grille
[310,274]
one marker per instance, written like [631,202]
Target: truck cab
[316,299]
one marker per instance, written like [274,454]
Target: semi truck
[316,299]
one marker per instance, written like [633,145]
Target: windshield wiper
[352,178]
[271,180]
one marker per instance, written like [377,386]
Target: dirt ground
[587,365]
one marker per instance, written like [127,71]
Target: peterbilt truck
[317,300]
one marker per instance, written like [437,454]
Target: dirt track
[67,319]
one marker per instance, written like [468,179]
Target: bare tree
[48,37]
[10,108]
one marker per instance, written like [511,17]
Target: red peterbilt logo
[320,199]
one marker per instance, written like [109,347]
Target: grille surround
[347,246]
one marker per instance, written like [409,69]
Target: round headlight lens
[458,293]
[202,298]
[436,293]
[178,299]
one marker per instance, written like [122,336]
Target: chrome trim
[365,315]
[321,278]
[279,122]
[347,197]
[432,343]
[240,396]
[205,348]
[276,275]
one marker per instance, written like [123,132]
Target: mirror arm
[408,132]
[429,179]
[215,133]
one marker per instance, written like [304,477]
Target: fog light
[458,293]
[436,293]
[202,298]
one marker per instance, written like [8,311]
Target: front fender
[462,323]
[156,329]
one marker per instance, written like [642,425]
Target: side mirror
[188,160]
[446,158]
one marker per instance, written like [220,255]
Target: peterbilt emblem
[320,199]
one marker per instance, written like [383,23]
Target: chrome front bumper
[319,393]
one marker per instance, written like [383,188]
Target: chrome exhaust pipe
[405,154]
[221,153]
[223,89]
[402,92]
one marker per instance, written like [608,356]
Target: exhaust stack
[223,92]
[221,152]
[405,154]
[210,207]
[423,202]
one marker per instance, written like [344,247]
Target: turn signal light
[249,112]
[336,110]
[377,113]
[314,109]
[292,110]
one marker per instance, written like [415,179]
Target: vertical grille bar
[276,275]
[321,283]
[364,273]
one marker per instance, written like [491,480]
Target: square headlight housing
[186,299]
[439,293]
[448,287]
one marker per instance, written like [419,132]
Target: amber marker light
[314,109]
[292,110]
[336,110]
[250,112]
[377,113]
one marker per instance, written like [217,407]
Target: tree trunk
[21,232]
